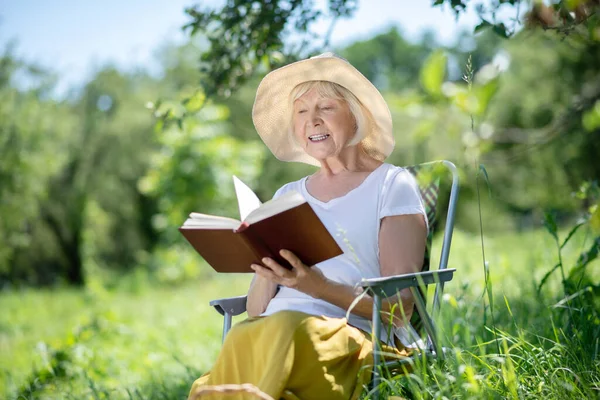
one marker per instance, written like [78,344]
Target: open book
[287,222]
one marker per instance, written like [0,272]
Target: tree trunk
[74,267]
[70,244]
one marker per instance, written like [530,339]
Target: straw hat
[272,111]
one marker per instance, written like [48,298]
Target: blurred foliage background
[100,295]
[97,184]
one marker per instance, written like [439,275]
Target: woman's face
[322,126]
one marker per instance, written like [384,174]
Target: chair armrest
[390,285]
[230,305]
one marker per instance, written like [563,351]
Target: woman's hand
[302,277]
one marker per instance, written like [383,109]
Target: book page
[283,203]
[204,221]
[247,200]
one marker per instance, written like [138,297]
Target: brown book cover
[285,223]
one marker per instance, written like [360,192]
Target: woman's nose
[315,118]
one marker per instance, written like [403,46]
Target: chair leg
[427,322]
[226,325]
[376,349]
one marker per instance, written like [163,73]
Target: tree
[32,134]
[543,128]
[69,178]
[388,60]
[106,155]
[97,182]
[244,36]
[564,16]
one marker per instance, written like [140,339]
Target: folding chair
[428,176]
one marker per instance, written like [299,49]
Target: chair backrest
[428,176]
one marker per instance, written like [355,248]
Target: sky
[75,37]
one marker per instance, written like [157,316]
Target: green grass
[538,349]
[118,341]
[152,342]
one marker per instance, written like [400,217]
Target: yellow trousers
[293,356]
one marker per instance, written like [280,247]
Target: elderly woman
[298,343]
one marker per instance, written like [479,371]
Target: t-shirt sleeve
[282,190]
[401,196]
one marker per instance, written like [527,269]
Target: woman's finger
[276,268]
[293,259]
[266,273]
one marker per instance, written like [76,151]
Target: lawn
[152,342]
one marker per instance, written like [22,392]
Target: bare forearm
[343,295]
[259,295]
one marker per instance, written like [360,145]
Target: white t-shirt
[353,220]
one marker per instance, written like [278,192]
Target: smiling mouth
[318,138]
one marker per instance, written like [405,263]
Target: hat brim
[272,110]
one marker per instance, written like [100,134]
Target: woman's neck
[351,159]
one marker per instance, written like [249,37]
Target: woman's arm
[402,242]
[261,291]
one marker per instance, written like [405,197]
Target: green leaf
[550,225]
[467,101]
[500,30]
[484,94]
[571,5]
[572,232]
[483,25]
[546,276]
[591,118]
[433,73]
[590,255]
[595,218]
[195,102]
[487,178]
